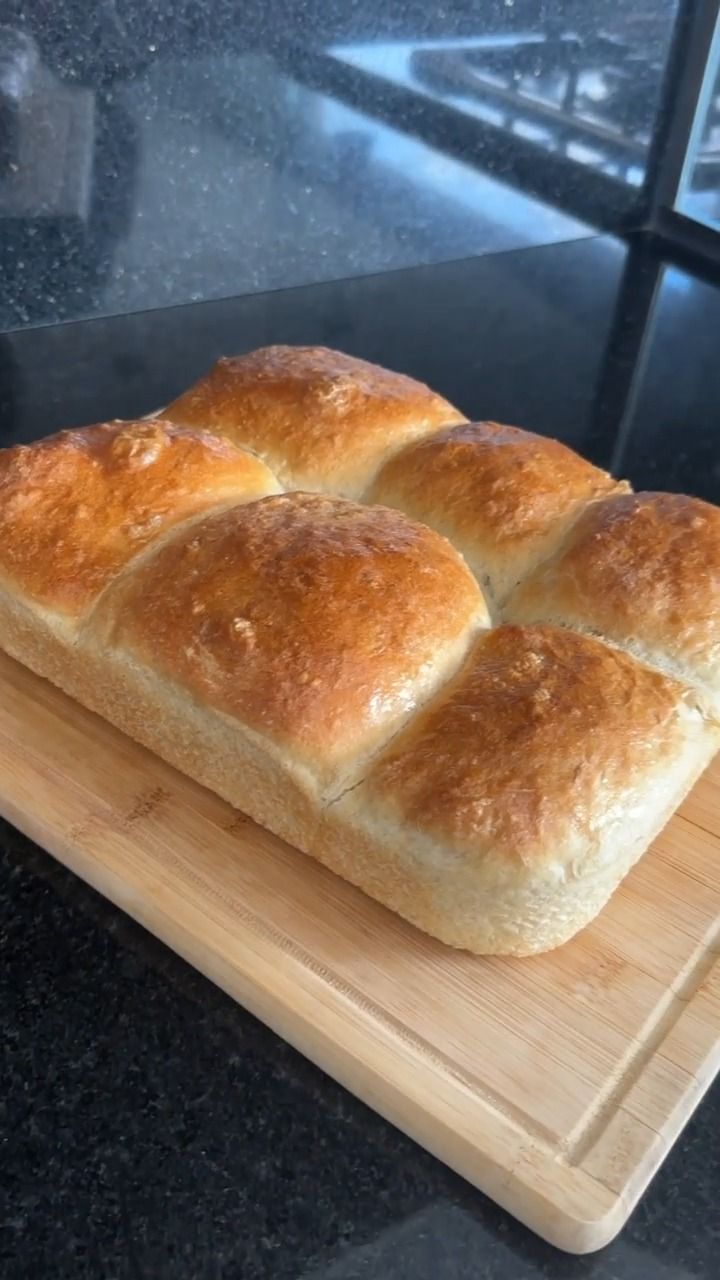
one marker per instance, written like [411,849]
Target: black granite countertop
[150,1127]
[154,154]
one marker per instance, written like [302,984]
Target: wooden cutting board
[556,1085]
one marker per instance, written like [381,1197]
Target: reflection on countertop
[154,155]
[152,1127]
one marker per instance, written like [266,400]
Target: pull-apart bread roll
[77,507]
[322,421]
[506,813]
[270,650]
[329,667]
[642,571]
[505,497]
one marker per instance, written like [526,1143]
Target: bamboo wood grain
[556,1085]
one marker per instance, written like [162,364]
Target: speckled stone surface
[179,150]
[151,1128]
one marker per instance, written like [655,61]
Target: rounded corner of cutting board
[567,1206]
[273,933]
[580,1234]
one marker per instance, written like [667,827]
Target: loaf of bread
[341,672]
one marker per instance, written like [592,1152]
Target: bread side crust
[467,905]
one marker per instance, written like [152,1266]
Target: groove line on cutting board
[710,778]
[679,997]
[570,1152]
[659,1025]
[269,932]
[116,823]
[592,1124]
[700,826]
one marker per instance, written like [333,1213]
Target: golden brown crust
[313,620]
[503,496]
[76,507]
[490,906]
[643,571]
[462,901]
[542,740]
[318,663]
[320,419]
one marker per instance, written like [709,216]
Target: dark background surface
[151,1128]
[184,150]
[208,153]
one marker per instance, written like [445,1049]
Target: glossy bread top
[533,752]
[642,570]
[321,420]
[504,496]
[313,620]
[76,507]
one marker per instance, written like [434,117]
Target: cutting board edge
[567,1206]
[576,1207]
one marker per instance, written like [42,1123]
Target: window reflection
[145,162]
[582,82]
[699,195]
